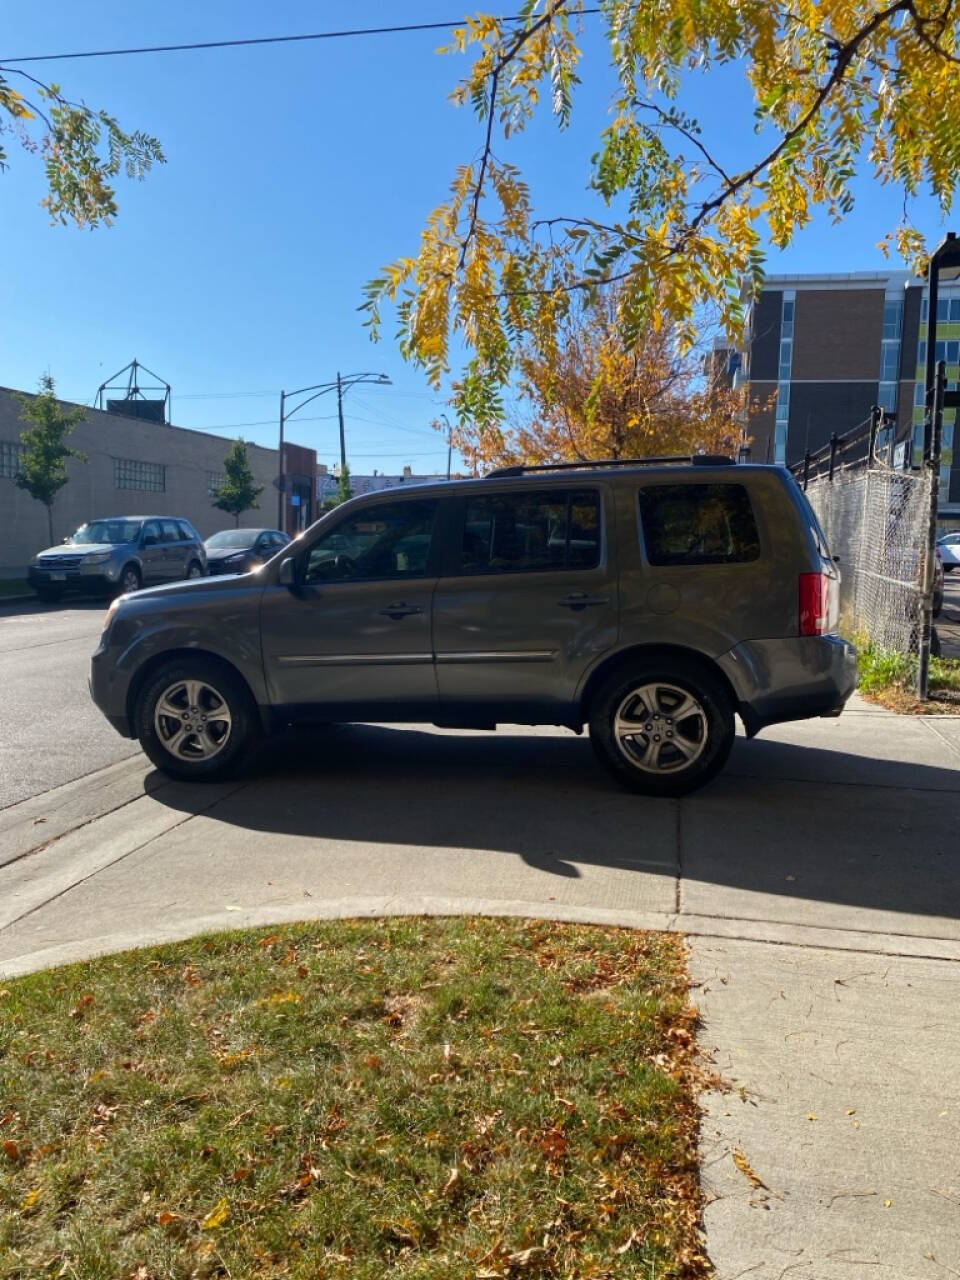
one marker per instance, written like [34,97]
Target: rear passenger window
[698,524]
[171,531]
[186,533]
[531,532]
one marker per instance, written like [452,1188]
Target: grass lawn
[412,1098]
[14,587]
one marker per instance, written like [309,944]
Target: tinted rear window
[532,532]
[698,524]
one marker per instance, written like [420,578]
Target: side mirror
[288,572]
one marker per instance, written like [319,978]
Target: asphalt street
[50,731]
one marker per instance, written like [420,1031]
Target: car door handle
[400,610]
[580,600]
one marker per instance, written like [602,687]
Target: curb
[749,932]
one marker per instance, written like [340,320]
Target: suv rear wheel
[195,720]
[663,728]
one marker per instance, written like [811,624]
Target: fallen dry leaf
[218,1215]
[747,1169]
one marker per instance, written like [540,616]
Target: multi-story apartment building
[823,349]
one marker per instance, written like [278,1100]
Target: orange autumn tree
[593,397]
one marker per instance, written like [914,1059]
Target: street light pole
[342,385]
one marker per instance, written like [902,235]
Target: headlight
[100,557]
[111,614]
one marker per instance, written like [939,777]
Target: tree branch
[505,58]
[688,134]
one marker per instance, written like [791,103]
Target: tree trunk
[50,523]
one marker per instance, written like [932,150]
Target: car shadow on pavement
[788,820]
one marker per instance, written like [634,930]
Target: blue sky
[294,172]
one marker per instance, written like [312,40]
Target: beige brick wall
[186,455]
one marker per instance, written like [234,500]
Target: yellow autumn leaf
[31,1198]
[218,1215]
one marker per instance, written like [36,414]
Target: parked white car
[949,547]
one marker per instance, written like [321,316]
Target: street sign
[280,482]
[294,499]
[901,455]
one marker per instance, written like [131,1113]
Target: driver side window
[379,543]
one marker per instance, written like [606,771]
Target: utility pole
[281,478]
[343,438]
[449,443]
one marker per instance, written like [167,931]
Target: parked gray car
[652,603]
[119,554]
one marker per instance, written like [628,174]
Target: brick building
[823,349]
[135,466]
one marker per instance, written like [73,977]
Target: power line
[257,40]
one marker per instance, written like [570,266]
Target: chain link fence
[876,521]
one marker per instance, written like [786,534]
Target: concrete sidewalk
[818,879]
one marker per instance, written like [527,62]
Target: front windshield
[233,538]
[112,531]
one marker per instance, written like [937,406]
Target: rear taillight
[814,604]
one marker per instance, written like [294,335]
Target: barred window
[215,481]
[149,477]
[10,456]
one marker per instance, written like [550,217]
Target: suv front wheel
[195,720]
[663,728]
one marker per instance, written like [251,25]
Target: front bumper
[100,577]
[791,679]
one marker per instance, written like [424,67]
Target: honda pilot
[652,602]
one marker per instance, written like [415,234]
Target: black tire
[196,763]
[935,650]
[707,732]
[194,569]
[49,595]
[129,580]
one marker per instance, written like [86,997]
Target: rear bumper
[793,679]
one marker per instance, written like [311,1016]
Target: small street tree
[239,491]
[43,448]
[344,487]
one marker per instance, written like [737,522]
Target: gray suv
[652,602]
[120,553]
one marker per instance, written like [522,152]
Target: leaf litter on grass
[425,1098]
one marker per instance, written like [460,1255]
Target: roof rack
[694,460]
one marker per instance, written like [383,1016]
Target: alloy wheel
[192,720]
[660,728]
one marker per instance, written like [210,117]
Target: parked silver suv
[653,602]
[120,553]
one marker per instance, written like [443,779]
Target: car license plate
[58,577]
